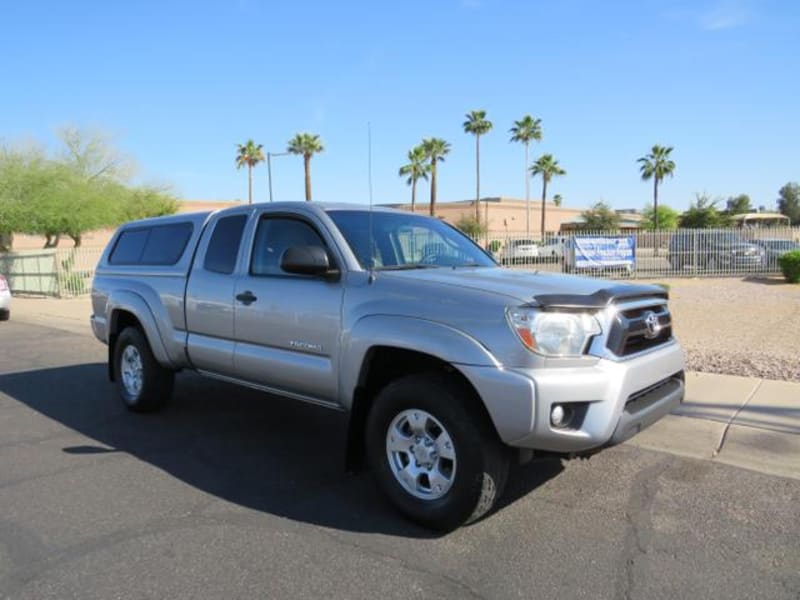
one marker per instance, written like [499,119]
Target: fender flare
[408,333]
[136,305]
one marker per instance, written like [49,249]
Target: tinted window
[273,237]
[129,247]
[157,245]
[166,244]
[224,245]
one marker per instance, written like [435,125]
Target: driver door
[286,325]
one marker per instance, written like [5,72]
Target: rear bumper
[99,328]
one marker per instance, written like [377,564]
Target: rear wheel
[434,454]
[142,383]
[5,315]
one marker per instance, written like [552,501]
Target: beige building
[506,215]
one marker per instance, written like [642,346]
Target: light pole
[269,169]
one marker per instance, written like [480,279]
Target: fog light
[560,416]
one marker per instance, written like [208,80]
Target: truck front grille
[638,329]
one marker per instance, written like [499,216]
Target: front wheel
[142,383]
[433,452]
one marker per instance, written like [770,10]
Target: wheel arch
[383,364]
[128,309]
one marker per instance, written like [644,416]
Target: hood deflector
[601,298]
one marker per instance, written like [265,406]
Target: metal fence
[67,272]
[648,254]
[62,272]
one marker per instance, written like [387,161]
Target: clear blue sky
[180,83]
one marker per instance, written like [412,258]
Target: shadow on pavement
[766,280]
[264,452]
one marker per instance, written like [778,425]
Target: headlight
[553,333]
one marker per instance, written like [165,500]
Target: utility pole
[269,169]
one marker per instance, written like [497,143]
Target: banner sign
[599,252]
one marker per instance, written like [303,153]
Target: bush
[494,245]
[471,226]
[790,265]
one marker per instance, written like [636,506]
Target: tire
[470,482]
[142,383]
[5,315]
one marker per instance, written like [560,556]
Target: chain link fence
[62,272]
[648,254]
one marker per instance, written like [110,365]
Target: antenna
[369,180]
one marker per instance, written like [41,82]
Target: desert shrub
[471,226]
[790,266]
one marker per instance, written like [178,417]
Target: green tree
[91,154]
[249,155]
[789,202]
[737,205]
[435,151]
[417,168]
[78,189]
[472,227]
[703,214]
[307,145]
[524,131]
[557,200]
[667,218]
[656,166]
[547,167]
[477,124]
[600,217]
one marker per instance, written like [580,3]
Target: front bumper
[611,400]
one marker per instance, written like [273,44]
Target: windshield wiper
[407,267]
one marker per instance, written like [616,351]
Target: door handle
[246,297]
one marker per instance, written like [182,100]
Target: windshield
[406,241]
[781,245]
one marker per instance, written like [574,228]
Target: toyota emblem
[652,325]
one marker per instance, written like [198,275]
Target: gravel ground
[748,327]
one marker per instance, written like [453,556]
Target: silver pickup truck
[446,363]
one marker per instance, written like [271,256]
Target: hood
[551,290]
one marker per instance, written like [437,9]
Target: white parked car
[5,299]
[519,251]
[554,248]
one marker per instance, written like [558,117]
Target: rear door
[287,326]
[210,295]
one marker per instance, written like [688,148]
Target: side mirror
[308,260]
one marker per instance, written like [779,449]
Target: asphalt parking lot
[231,493]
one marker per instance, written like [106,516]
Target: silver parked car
[5,299]
[775,248]
[445,364]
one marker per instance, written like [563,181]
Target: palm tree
[416,169]
[525,130]
[249,154]
[656,166]
[557,200]
[477,125]
[547,167]
[306,144]
[435,151]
